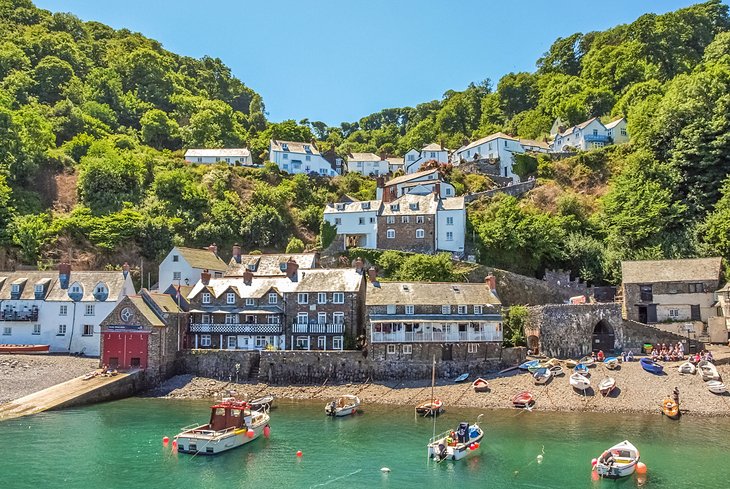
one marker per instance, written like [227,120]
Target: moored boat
[557,371]
[579,382]
[687,368]
[581,369]
[433,407]
[708,370]
[456,444]
[461,378]
[262,403]
[651,366]
[588,361]
[534,368]
[542,375]
[670,409]
[528,364]
[480,385]
[618,461]
[611,363]
[523,400]
[716,387]
[232,423]
[5,348]
[607,385]
[342,406]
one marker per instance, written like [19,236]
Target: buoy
[250,433]
[641,468]
[267,431]
[539,459]
[299,453]
[594,475]
[476,445]
[174,444]
[385,469]
[594,462]
[165,440]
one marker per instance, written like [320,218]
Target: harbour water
[118,445]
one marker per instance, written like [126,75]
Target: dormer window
[39,289]
[252,267]
[16,289]
[307,148]
[366,205]
[414,206]
[101,292]
[285,146]
[230,298]
[394,207]
[206,298]
[75,289]
[340,207]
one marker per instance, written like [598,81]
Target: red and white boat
[480,385]
[430,408]
[523,400]
[24,348]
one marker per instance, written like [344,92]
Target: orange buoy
[267,431]
[594,462]
[174,444]
[250,433]
[641,468]
[165,440]
[299,453]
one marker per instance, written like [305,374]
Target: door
[643,316]
[447,353]
[651,313]
[603,338]
[321,342]
[695,312]
[244,343]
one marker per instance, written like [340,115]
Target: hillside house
[297,157]
[420,182]
[183,266]
[367,164]
[494,154]
[210,156]
[356,221]
[413,159]
[590,134]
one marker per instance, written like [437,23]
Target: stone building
[267,264]
[418,321]
[409,224]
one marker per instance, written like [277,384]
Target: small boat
[262,403]
[618,461]
[480,385]
[611,363]
[5,348]
[557,371]
[542,376]
[342,406]
[716,387]
[607,385]
[461,378]
[232,423]
[581,369]
[534,368]
[670,409]
[708,370]
[651,366]
[456,444]
[580,382]
[430,408]
[687,368]
[523,400]
[588,361]
[528,364]
[571,363]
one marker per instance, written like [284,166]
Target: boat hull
[480,385]
[651,367]
[24,348]
[201,441]
[613,472]
[337,411]
[624,458]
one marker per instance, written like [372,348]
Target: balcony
[596,138]
[318,328]
[435,337]
[9,315]
[240,328]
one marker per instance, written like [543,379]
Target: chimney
[205,277]
[359,265]
[373,275]
[64,274]
[125,269]
[380,181]
[213,248]
[237,253]
[437,189]
[491,281]
[247,276]
[291,269]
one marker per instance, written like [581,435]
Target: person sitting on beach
[600,356]
[680,348]
[709,357]
[593,354]
[630,356]
[654,355]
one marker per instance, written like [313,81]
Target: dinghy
[579,382]
[528,364]
[581,369]
[670,409]
[456,444]
[523,400]
[534,368]
[607,385]
[262,403]
[708,370]
[342,406]
[588,361]
[687,368]
[611,363]
[480,385]
[651,366]
[716,387]
[542,376]
[618,461]
[430,408]
[461,378]
[557,371]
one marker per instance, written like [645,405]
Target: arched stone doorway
[533,344]
[603,338]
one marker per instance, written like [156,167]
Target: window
[88,330]
[472,348]
[250,302]
[89,310]
[321,342]
[407,349]
[63,311]
[478,309]
[595,132]
[361,221]
[205,319]
[205,340]
[448,191]
[505,144]
[445,309]
[337,343]
[645,293]
[302,343]
[61,330]
[302,318]
[674,313]
[391,349]
[338,221]
[233,318]
[338,298]
[696,288]
[230,298]
[433,154]
[449,221]
[303,298]
[410,309]
[394,207]
[273,319]
[321,318]
[405,219]
[322,298]
[200,159]
[419,219]
[390,233]
[461,309]
[7,331]
[372,220]
[15,288]
[449,236]
[36,329]
[231,342]
[273,299]
[390,220]
[250,319]
[39,289]
[390,309]
[623,131]
[411,157]
[338,318]
[308,158]
[206,298]
[176,275]
[420,233]
[285,156]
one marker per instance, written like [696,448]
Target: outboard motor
[441,451]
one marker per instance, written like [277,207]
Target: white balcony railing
[236,328]
[435,336]
[318,328]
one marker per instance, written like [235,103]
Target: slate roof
[452,203]
[486,139]
[294,147]
[533,142]
[146,311]
[685,270]
[356,206]
[269,265]
[113,280]
[218,152]
[201,258]
[428,293]
[579,126]
[613,124]
[363,157]
[433,147]
[394,160]
[329,280]
[424,204]
[410,176]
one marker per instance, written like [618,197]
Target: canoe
[461,378]
[480,385]
[430,408]
[581,369]
[651,366]
[262,403]
[687,368]
[580,382]
[523,400]
[5,348]
[588,361]
[611,363]
[708,370]
[670,409]
[716,387]
[618,461]
[529,364]
[542,376]
[607,385]
[557,371]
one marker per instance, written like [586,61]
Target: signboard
[122,327]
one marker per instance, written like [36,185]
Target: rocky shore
[21,375]
[637,391]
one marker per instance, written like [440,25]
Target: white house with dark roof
[590,134]
[297,157]
[367,164]
[424,181]
[395,163]
[230,156]
[413,159]
[498,149]
[356,222]
[183,266]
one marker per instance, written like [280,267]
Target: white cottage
[413,159]
[367,164]
[183,266]
[498,148]
[230,156]
[296,157]
[591,134]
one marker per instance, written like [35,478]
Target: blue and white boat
[581,368]
[531,363]
[651,366]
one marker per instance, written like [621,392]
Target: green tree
[158,130]
[30,233]
[52,76]
[108,179]
[295,245]
[263,226]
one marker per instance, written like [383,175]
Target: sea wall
[122,387]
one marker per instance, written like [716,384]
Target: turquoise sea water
[118,445]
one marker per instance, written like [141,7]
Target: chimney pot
[125,269]
[236,252]
[205,277]
[213,248]
[359,264]
[291,269]
[491,282]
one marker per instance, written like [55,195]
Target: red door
[124,350]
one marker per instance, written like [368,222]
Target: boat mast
[433,381]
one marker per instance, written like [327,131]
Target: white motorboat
[232,424]
[708,370]
[557,371]
[611,363]
[580,382]
[542,375]
[716,387]
[342,406]
[687,368]
[618,461]
[456,444]
[607,385]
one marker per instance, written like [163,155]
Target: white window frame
[390,234]
[449,236]
[61,330]
[273,298]
[445,309]
[389,219]
[177,275]
[338,318]
[36,329]
[301,342]
[673,313]
[321,342]
[303,298]
[206,298]
[420,234]
[337,343]
[231,318]
[450,221]
[390,309]
[321,318]
[461,309]
[405,219]
[407,349]
[410,309]
[86,328]
[391,349]
[420,219]
[250,301]
[302,318]
[338,298]
[321,297]
[231,345]
[230,298]
[205,319]
[478,309]
[206,340]
[472,348]
[63,310]
[89,310]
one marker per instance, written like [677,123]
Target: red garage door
[124,350]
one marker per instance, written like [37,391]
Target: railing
[435,337]
[19,315]
[236,328]
[318,328]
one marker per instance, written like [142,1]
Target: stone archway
[533,344]
[603,338]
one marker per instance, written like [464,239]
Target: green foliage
[264,226]
[515,320]
[525,165]
[108,178]
[30,232]
[295,245]
[427,268]
[327,234]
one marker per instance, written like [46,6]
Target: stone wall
[405,233]
[218,364]
[515,289]
[515,190]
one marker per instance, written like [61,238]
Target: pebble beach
[21,375]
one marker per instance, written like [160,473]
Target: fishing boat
[523,400]
[480,385]
[528,364]
[579,382]
[687,368]
[651,366]
[342,406]
[542,376]
[670,409]
[557,371]
[611,363]
[461,378]
[716,387]
[581,369]
[262,403]
[618,461]
[607,385]
[708,370]
[433,407]
[5,348]
[456,444]
[232,423]
[588,361]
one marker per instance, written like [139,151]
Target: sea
[119,445]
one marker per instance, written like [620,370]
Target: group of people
[703,355]
[668,353]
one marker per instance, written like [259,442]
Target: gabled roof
[613,124]
[433,147]
[429,293]
[533,142]
[356,206]
[270,264]
[411,204]
[362,157]
[395,160]
[219,152]
[685,270]
[582,125]
[201,258]
[28,281]
[294,147]
[486,139]
[452,203]
[410,176]
[329,280]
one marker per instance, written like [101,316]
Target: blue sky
[337,61]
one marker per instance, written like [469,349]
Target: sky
[340,60]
